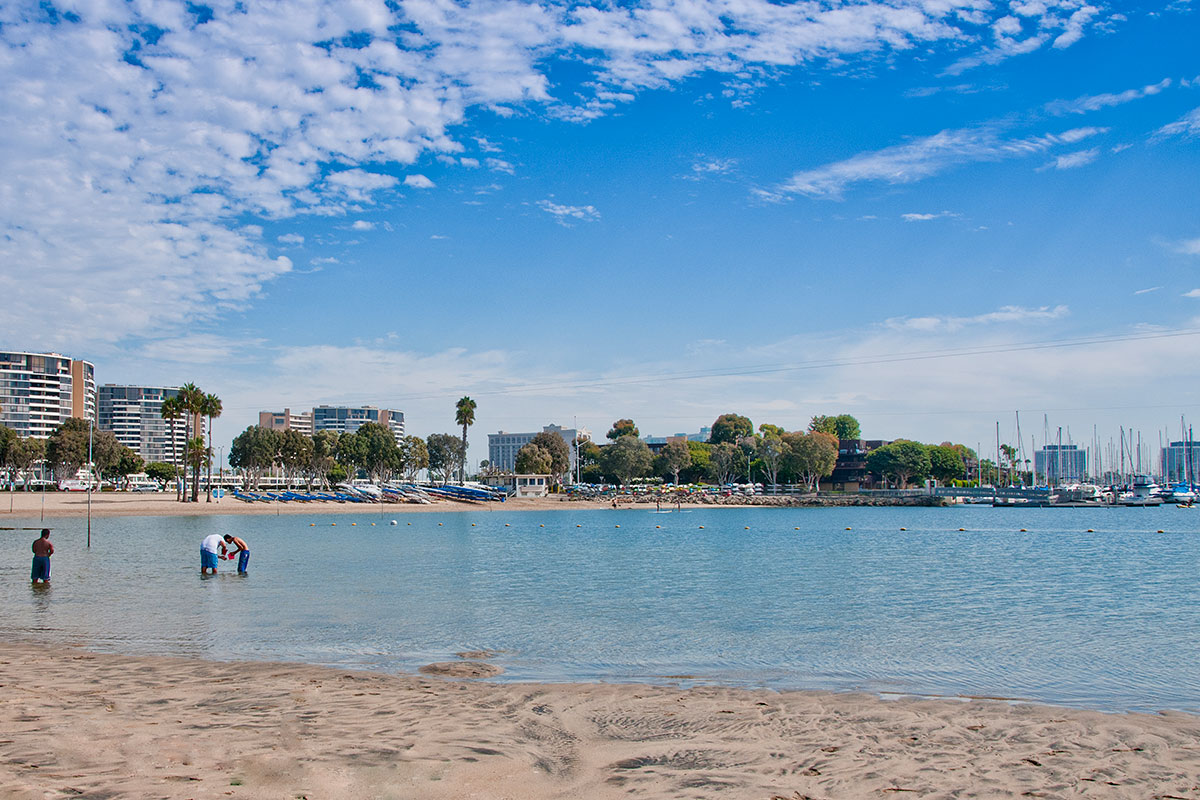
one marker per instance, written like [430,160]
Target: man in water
[209,549]
[242,551]
[42,550]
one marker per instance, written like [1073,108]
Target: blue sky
[573,211]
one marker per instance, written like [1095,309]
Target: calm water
[1108,620]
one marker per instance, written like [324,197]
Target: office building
[1181,461]
[503,446]
[287,420]
[134,415]
[40,391]
[1060,463]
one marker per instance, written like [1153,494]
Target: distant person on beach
[211,549]
[242,551]
[42,550]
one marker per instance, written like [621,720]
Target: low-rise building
[850,473]
[287,420]
[520,485]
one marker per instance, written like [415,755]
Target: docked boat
[1143,492]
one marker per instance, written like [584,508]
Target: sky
[930,214]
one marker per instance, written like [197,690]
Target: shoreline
[122,504]
[82,722]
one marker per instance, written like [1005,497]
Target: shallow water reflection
[1107,619]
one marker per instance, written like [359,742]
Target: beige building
[287,420]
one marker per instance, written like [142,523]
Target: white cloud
[438,236]
[564,214]
[135,140]
[1077,159]
[713,166]
[922,158]
[418,182]
[1095,102]
[1004,316]
[1187,125]
[362,225]
[926,217]
[1190,247]
[1148,291]
[470,163]
[290,238]
[1192,293]
[499,165]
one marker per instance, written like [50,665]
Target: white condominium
[134,415]
[40,391]
[339,419]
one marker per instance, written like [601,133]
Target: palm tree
[171,409]
[191,400]
[212,408]
[465,416]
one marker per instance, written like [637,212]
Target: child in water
[241,550]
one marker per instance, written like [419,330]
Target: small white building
[520,485]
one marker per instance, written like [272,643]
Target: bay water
[831,598]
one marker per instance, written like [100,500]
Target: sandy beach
[77,723]
[123,504]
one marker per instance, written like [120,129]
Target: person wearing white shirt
[211,549]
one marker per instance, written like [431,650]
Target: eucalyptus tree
[445,455]
[67,448]
[464,415]
[321,458]
[414,457]
[380,456]
[723,458]
[771,450]
[730,428]
[533,459]
[677,456]
[627,458]
[254,451]
[560,454]
[810,456]
[293,454]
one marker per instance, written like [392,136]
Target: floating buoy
[904,529]
[658,526]
[1161,531]
[394,522]
[701,527]
[333,524]
[439,524]
[507,525]
[1024,531]
[962,529]
[617,526]
[372,524]
[847,528]
[312,524]
[472,524]
[795,529]
[541,526]
[353,523]
[1089,530]
[578,526]
[746,528]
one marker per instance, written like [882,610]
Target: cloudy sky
[927,213]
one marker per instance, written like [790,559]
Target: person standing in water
[42,550]
[241,550]
[211,549]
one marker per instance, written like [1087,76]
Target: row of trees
[191,406]
[904,462]
[65,452]
[327,458]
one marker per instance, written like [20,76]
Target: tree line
[327,458]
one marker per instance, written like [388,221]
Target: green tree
[349,453]
[380,455]
[8,440]
[698,470]
[622,427]
[106,453]
[414,456]
[676,456]
[767,428]
[321,458]
[171,411]
[946,463]
[560,454]
[445,455]
[160,471]
[26,453]
[211,407]
[811,456]
[901,461]
[771,451]
[723,461]
[67,448]
[627,458]
[533,460]
[842,426]
[729,428]
[294,453]
[254,451]
[128,463]
[464,415]
[590,455]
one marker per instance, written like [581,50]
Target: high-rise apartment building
[348,419]
[134,415]
[1181,461]
[40,391]
[1060,463]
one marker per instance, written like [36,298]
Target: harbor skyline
[927,218]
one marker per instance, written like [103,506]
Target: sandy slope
[75,723]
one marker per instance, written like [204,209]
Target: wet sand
[76,723]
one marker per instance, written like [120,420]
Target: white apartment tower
[40,391]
